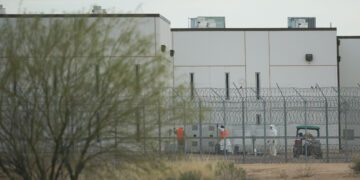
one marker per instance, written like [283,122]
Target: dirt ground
[274,171]
[333,171]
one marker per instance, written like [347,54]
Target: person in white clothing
[272,140]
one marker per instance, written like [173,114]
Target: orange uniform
[180,134]
[224,134]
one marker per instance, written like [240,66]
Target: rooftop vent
[207,22]
[2,9]
[98,10]
[301,22]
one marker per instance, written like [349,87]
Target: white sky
[344,14]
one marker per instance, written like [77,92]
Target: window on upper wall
[192,85]
[227,86]
[258,119]
[257,80]
[137,76]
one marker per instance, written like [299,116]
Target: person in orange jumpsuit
[224,134]
[179,132]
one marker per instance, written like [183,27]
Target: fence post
[185,139]
[285,131]
[265,148]
[326,123]
[305,119]
[224,118]
[144,126]
[285,123]
[159,127]
[264,106]
[243,128]
[327,130]
[200,128]
[345,135]
[242,122]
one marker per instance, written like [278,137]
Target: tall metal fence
[319,124]
[311,124]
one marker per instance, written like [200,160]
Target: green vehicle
[306,142]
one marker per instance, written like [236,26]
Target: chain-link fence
[260,125]
[245,124]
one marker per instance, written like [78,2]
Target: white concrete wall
[279,57]
[257,58]
[288,67]
[289,48]
[209,55]
[349,51]
[145,26]
[207,48]
[163,34]
[304,76]
[156,29]
[164,37]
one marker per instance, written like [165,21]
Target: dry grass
[318,171]
[172,170]
[283,175]
[168,170]
[305,172]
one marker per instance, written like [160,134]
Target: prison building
[303,67]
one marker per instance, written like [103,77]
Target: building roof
[348,37]
[253,29]
[80,15]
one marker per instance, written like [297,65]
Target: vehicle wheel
[319,156]
[217,149]
[296,152]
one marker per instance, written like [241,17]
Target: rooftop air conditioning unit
[98,10]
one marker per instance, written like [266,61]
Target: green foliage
[228,171]
[356,165]
[68,87]
[190,175]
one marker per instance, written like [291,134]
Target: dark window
[258,119]
[227,85]
[137,76]
[137,113]
[194,143]
[97,78]
[192,85]
[257,76]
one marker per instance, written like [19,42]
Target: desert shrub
[170,178]
[190,175]
[305,172]
[356,165]
[228,171]
[209,166]
[283,174]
